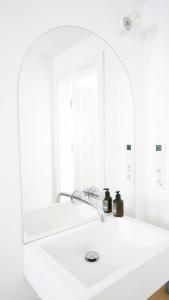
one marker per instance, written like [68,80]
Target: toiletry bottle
[118,209]
[107,202]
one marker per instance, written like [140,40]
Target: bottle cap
[118,196]
[107,193]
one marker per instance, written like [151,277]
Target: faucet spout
[100,212]
[79,197]
[62,194]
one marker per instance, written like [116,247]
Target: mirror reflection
[76,129]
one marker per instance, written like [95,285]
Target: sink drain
[91,256]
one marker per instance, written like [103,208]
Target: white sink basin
[132,265]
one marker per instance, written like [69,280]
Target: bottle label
[105,206]
[114,209]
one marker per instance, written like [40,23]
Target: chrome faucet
[78,197]
[62,194]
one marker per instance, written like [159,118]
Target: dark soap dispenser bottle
[107,202]
[118,209]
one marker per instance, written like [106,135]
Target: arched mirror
[76,128]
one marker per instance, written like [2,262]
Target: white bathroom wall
[35,132]
[21,22]
[155,34]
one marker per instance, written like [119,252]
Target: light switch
[160,165]
[129,163]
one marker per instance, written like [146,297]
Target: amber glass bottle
[107,202]
[118,210]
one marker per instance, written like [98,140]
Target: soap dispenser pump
[107,202]
[118,209]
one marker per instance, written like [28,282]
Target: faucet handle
[78,197]
[94,193]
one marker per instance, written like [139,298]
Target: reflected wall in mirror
[76,128]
